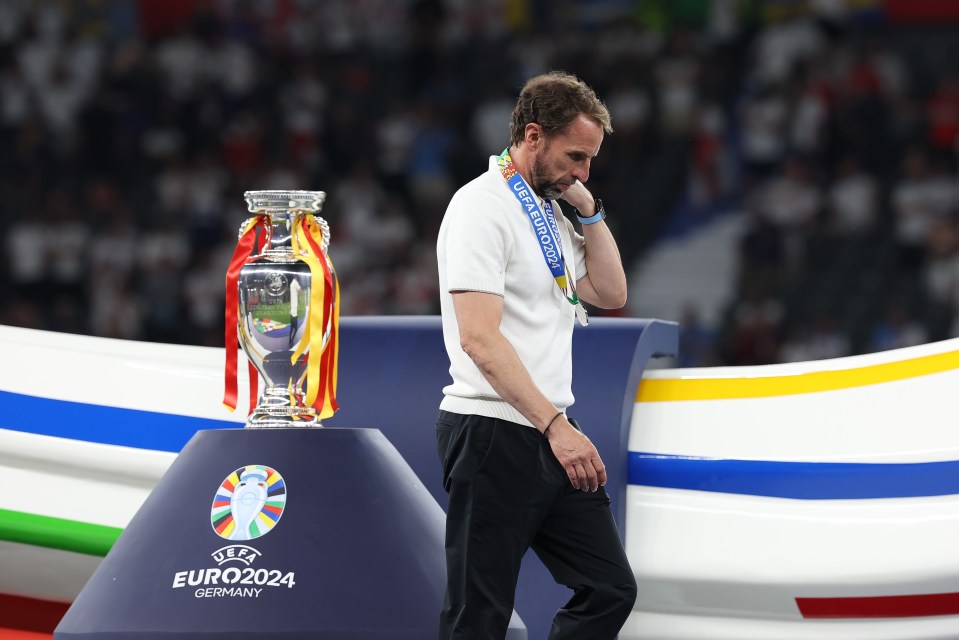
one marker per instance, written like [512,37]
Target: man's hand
[580,197]
[578,456]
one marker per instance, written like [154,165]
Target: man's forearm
[499,363]
[604,266]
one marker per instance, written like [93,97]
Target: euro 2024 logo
[247,505]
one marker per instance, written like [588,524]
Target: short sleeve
[477,245]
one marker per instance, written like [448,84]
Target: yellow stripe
[676,390]
[266,522]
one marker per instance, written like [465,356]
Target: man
[519,474]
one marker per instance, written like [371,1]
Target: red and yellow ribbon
[249,241]
[321,368]
[322,359]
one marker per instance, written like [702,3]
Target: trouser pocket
[463,443]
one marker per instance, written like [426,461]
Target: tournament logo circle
[276,283]
[248,503]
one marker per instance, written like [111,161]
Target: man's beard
[541,183]
[552,192]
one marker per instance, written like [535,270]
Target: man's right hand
[577,454]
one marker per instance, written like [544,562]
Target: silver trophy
[276,287]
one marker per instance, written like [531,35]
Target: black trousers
[507,493]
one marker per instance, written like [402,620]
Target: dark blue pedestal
[349,546]
[402,363]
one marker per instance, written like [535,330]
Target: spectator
[943,115]
[756,319]
[918,200]
[163,254]
[896,330]
[710,176]
[811,112]
[431,182]
[697,341]
[67,248]
[27,248]
[941,276]
[204,298]
[492,113]
[304,100]
[780,47]
[763,121]
[677,75]
[853,200]
[761,253]
[116,312]
[820,341]
[792,203]
[415,285]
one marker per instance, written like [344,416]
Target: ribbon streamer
[321,365]
[244,248]
[322,360]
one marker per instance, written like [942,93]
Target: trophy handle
[243,226]
[325,228]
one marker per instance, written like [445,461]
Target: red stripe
[914,606]
[224,525]
[921,11]
[243,250]
[30,614]
[330,355]
[325,373]
[12,634]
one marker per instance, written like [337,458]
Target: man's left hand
[580,197]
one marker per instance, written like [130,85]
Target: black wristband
[550,423]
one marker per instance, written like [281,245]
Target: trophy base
[356,552]
[286,418]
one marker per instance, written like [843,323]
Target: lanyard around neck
[544,226]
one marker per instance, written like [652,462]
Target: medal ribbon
[544,226]
[244,248]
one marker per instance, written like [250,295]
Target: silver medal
[581,314]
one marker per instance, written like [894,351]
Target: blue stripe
[272,516]
[799,480]
[105,425]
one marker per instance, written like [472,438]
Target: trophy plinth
[280,286]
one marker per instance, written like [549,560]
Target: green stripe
[57,533]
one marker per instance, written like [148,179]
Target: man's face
[563,158]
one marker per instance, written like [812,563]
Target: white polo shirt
[486,243]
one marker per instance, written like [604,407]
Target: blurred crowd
[847,146]
[131,131]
